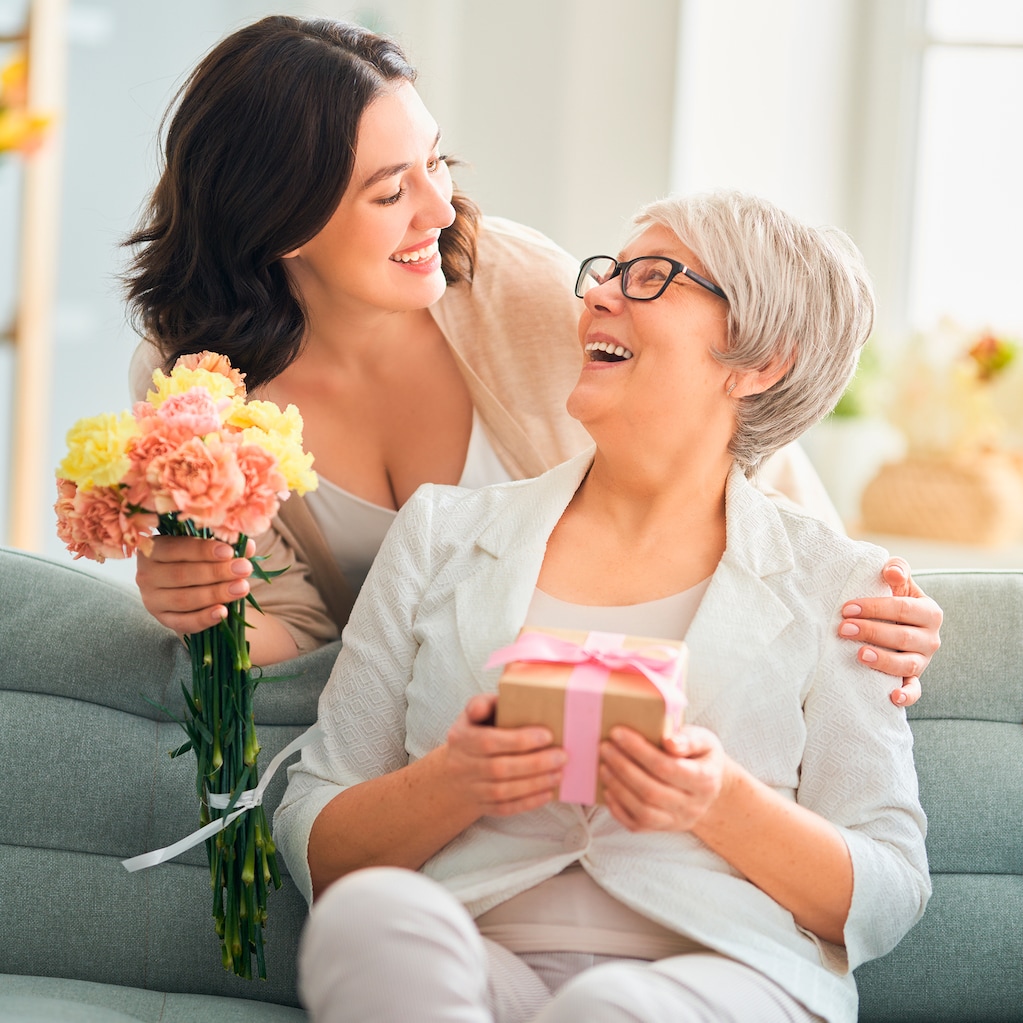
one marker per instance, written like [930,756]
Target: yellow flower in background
[183,379]
[97,450]
[14,82]
[20,128]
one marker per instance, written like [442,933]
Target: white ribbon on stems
[248,799]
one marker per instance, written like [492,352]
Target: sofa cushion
[964,959]
[88,782]
[52,1000]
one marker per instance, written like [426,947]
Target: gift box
[582,684]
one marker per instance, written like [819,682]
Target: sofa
[87,781]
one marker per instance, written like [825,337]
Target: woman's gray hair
[794,292]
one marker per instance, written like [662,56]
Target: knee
[368,902]
[386,907]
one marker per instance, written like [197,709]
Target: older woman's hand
[901,630]
[652,789]
[500,771]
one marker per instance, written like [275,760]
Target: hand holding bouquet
[197,459]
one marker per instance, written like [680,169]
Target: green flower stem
[221,727]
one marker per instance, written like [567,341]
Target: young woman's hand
[500,771]
[186,582]
[648,788]
[900,632]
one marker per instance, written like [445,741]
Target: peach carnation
[199,479]
[265,488]
[90,522]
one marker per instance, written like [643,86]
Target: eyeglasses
[643,278]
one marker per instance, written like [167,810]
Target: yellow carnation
[183,379]
[266,416]
[97,450]
[295,465]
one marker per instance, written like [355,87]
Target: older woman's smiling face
[649,364]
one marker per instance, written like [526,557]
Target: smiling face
[649,369]
[378,251]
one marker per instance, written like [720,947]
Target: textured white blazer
[768,674]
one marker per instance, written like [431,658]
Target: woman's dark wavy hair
[257,155]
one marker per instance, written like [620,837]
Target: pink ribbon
[594,660]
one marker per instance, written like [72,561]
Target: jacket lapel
[492,599]
[740,615]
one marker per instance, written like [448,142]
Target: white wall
[806,102]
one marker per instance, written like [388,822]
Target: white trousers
[384,945]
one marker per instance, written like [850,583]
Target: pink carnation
[154,444]
[192,414]
[200,480]
[265,488]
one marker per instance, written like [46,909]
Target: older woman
[739,872]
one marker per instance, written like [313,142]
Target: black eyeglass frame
[623,268]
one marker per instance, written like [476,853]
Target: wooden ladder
[44,40]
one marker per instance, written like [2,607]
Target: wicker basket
[974,499]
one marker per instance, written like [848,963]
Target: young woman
[305,225]
[776,841]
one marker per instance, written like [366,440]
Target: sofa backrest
[964,959]
[87,782]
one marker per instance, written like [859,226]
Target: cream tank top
[354,529]
[570,912]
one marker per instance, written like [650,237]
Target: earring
[731,388]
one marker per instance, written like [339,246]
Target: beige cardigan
[513,336]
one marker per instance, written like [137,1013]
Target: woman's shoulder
[829,559]
[460,514]
[499,236]
[144,360]
[512,259]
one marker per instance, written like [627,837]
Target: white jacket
[768,674]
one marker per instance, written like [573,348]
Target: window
[966,245]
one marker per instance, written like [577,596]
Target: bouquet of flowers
[197,459]
[20,128]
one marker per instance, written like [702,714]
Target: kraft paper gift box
[582,684]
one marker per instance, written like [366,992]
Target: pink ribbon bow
[594,660]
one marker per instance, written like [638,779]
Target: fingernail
[218,614]
[238,589]
[900,698]
[223,552]
[897,569]
[240,567]
[849,629]
[868,655]
[852,610]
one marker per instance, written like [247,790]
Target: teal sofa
[86,781]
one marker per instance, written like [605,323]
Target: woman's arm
[403,818]
[786,850]
[186,584]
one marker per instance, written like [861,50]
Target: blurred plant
[863,396]
[21,129]
[958,392]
